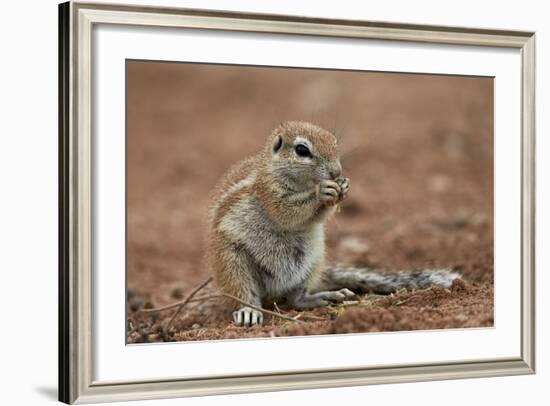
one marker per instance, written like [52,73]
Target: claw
[347,293]
[329,192]
[344,188]
[247,316]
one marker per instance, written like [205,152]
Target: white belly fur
[284,259]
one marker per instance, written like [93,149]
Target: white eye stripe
[302,140]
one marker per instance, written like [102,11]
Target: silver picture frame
[76,21]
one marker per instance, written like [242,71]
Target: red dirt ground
[417,148]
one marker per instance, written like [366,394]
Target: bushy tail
[364,280]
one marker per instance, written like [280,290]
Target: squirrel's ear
[277,144]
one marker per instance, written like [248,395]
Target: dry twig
[282,316]
[276,307]
[404,301]
[190,299]
[182,304]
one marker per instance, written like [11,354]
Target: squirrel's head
[303,153]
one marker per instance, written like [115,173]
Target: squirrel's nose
[335,170]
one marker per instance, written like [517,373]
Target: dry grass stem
[182,304]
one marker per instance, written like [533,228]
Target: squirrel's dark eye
[278,144]
[303,151]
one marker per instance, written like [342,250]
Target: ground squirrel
[266,238]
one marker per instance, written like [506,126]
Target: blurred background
[417,148]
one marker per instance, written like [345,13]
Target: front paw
[246,316]
[344,188]
[329,192]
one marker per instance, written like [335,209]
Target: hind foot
[307,300]
[246,317]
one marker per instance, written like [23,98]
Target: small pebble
[461,317]
[177,293]
[136,303]
[354,245]
[440,183]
